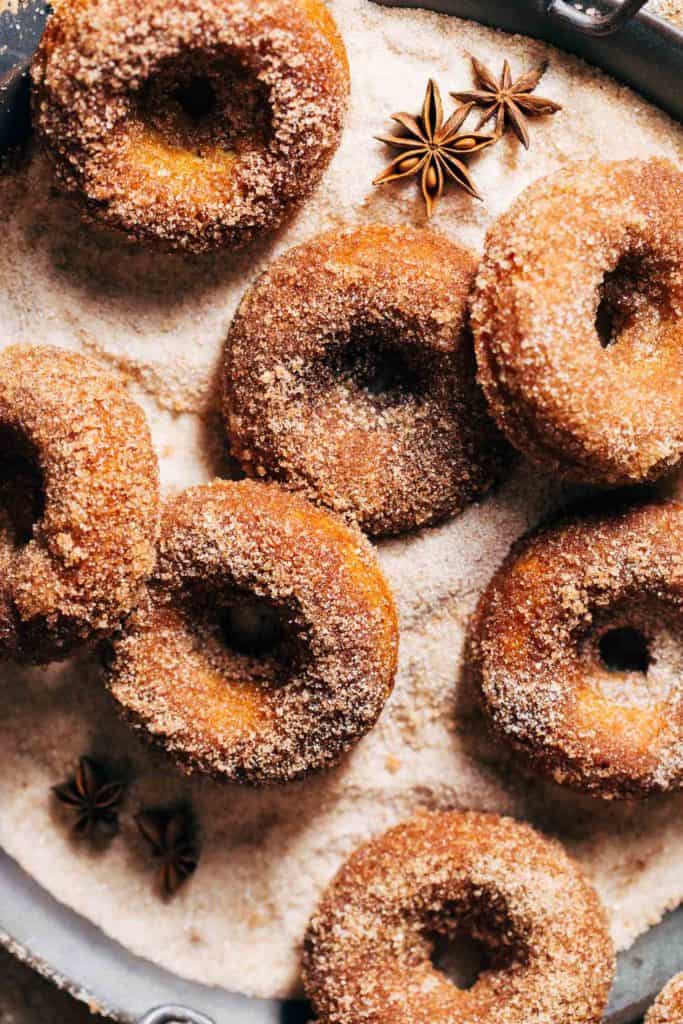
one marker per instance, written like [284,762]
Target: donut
[349,377]
[577,646]
[548,954]
[266,644]
[578,326]
[78,502]
[668,1008]
[190,126]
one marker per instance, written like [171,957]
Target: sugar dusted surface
[542,366]
[161,322]
[367,949]
[535,652]
[295,405]
[668,1007]
[283,716]
[132,162]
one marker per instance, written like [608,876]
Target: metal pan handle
[174,1015]
[594,24]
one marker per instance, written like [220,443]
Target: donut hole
[638,654]
[22,488]
[205,105]
[625,649]
[460,959]
[633,294]
[197,97]
[253,627]
[470,938]
[245,635]
[377,369]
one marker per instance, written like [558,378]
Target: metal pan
[639,49]
[642,51]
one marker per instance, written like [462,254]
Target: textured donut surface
[349,377]
[190,125]
[78,502]
[668,1008]
[536,651]
[368,948]
[578,321]
[222,710]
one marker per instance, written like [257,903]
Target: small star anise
[432,149]
[171,837]
[94,798]
[510,102]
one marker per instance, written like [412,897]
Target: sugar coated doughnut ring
[349,376]
[264,704]
[192,125]
[78,502]
[368,947]
[578,324]
[578,645]
[668,1009]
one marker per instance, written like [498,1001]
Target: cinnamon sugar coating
[368,947]
[349,377]
[78,502]
[668,1008]
[190,125]
[539,643]
[257,717]
[578,321]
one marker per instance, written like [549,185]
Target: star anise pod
[171,837]
[94,798]
[510,102]
[432,149]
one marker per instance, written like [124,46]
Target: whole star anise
[94,798]
[170,834]
[510,102]
[433,150]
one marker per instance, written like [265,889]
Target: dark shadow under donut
[22,488]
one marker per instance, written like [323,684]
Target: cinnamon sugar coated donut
[78,502]
[368,948]
[190,125]
[578,320]
[349,377]
[668,1008]
[272,703]
[577,647]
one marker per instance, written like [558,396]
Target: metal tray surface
[641,50]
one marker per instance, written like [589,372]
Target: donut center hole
[206,106]
[634,656]
[22,491]
[461,959]
[377,367]
[625,649]
[253,627]
[633,293]
[197,97]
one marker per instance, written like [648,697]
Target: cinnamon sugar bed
[161,322]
